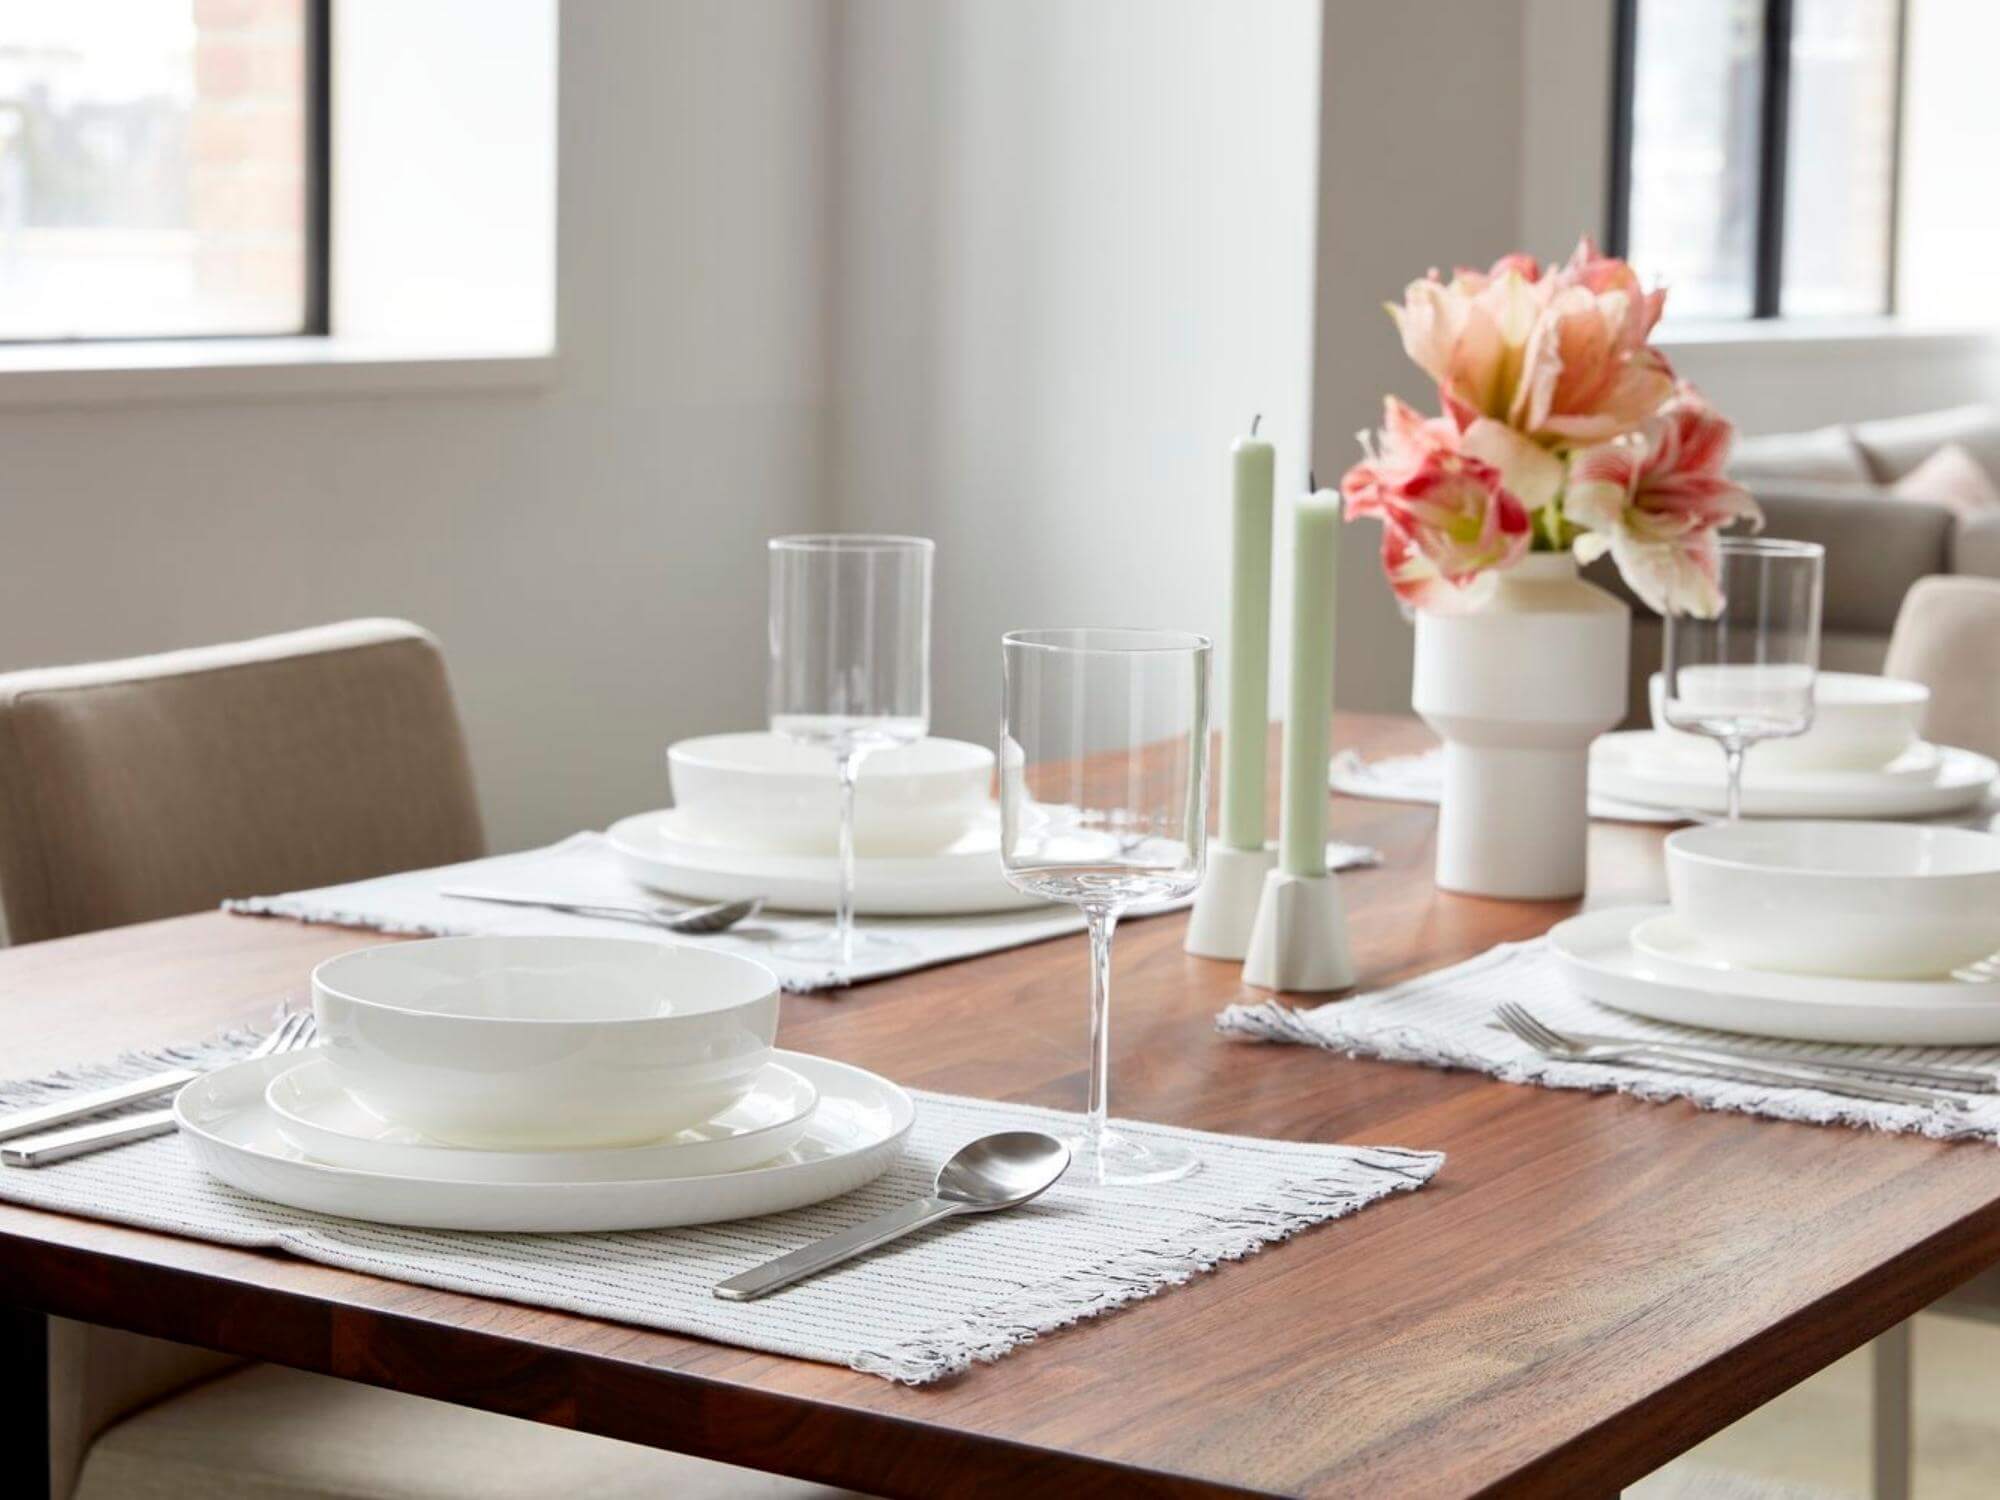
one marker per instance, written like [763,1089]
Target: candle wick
[1253,423]
[1312,482]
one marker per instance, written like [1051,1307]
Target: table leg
[1889,1356]
[24,1397]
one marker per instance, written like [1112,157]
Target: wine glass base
[1114,1160]
[856,950]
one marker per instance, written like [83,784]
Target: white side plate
[857,1131]
[1630,765]
[330,1125]
[1596,955]
[661,850]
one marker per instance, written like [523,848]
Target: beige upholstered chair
[140,789]
[1947,637]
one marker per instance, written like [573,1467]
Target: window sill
[55,375]
[1817,338]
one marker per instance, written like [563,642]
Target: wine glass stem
[843,912]
[1103,923]
[1732,754]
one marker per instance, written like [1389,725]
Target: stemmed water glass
[1747,674]
[1103,800]
[850,671]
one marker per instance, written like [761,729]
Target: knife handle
[80,1106]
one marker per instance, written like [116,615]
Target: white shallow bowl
[856,1134]
[758,791]
[534,1043]
[330,1125]
[1860,722]
[1859,900]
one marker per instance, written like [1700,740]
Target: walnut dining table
[1589,1286]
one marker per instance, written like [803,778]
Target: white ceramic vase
[1517,689]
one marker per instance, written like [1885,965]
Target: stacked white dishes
[1821,931]
[758,815]
[541,1083]
[1863,757]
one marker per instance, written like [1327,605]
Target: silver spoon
[717,917]
[993,1172]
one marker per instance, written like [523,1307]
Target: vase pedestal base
[1514,822]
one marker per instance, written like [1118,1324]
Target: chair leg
[24,1397]
[1890,1357]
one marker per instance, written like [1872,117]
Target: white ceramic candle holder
[1299,940]
[1225,908]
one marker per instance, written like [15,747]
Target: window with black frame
[1755,153]
[163,169]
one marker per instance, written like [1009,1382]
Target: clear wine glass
[1103,800]
[850,671]
[1747,674]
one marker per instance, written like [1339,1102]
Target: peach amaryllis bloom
[1470,334]
[1448,518]
[1559,355]
[1655,499]
[1587,372]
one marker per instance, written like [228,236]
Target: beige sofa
[1833,485]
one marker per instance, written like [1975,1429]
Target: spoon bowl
[1002,1171]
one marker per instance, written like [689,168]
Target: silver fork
[1552,1043]
[294,1033]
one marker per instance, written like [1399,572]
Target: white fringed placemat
[583,868]
[1445,1020]
[928,1307]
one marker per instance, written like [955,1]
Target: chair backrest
[146,788]
[1947,637]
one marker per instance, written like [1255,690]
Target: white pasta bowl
[1860,723]
[760,791]
[1860,900]
[533,1043]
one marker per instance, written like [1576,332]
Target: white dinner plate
[661,850]
[1929,782]
[330,1125]
[1596,954]
[857,1131]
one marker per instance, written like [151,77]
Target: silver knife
[80,1140]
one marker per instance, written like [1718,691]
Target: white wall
[590,552]
[1421,164]
[1073,258]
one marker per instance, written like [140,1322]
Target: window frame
[316,313]
[1773,164]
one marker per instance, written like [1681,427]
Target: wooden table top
[1589,1286]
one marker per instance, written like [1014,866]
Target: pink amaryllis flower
[1655,499]
[1587,372]
[1448,517]
[1559,355]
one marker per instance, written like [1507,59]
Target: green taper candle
[1246,739]
[1309,706]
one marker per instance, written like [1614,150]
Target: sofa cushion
[1953,478]
[1975,546]
[1826,455]
[1895,446]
